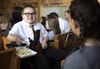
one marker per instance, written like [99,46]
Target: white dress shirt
[64,26]
[23,30]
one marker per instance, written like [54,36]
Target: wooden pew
[6,41]
[8,58]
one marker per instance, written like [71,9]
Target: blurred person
[54,24]
[43,21]
[16,15]
[84,19]
[66,14]
[14,18]
[57,25]
[64,25]
[53,27]
[22,31]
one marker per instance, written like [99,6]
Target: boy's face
[29,15]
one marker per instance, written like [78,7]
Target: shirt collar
[27,24]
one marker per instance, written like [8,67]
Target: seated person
[84,19]
[23,32]
[56,25]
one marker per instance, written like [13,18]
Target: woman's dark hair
[54,14]
[54,24]
[43,21]
[86,13]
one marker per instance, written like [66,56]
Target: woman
[84,20]
[54,24]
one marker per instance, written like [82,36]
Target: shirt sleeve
[14,30]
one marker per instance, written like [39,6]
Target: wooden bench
[8,58]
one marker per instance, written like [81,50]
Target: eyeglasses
[28,14]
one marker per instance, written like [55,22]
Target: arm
[13,35]
[16,39]
[44,43]
[44,34]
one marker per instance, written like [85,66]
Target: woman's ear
[74,26]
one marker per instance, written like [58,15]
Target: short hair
[30,6]
[86,13]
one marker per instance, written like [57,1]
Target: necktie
[35,44]
[32,26]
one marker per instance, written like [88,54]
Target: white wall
[58,9]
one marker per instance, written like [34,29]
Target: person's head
[54,14]
[29,14]
[43,19]
[66,14]
[17,9]
[54,24]
[84,18]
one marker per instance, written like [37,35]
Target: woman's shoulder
[75,61]
[74,55]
